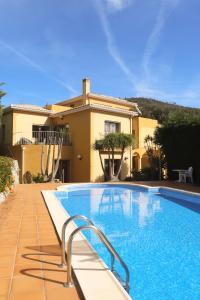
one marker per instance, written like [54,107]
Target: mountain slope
[161,111]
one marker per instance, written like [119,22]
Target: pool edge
[101,285]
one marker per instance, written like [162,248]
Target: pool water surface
[157,236]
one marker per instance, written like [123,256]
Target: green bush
[28,177]
[180,144]
[6,178]
[39,178]
[143,175]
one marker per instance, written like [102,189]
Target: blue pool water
[157,234]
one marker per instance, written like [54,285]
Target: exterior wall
[109,103]
[57,108]
[16,153]
[79,126]
[32,157]
[7,121]
[22,124]
[73,104]
[97,132]
[85,127]
[29,157]
[141,128]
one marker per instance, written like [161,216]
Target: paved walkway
[29,250]
[173,184]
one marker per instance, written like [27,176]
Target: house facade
[27,129]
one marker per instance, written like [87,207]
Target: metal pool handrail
[81,217]
[108,245]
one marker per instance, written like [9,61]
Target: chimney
[86,86]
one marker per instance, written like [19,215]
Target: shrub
[180,144]
[39,178]
[28,177]
[143,174]
[6,178]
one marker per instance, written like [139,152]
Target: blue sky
[126,47]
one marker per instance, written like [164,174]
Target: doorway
[63,173]
[116,166]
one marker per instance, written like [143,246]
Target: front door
[63,173]
[116,166]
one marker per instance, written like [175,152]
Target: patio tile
[29,268]
[6,271]
[29,296]
[25,283]
[6,260]
[7,251]
[62,293]
[4,287]
[25,259]
[30,254]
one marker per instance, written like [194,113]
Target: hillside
[161,111]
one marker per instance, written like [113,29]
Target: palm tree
[99,146]
[111,143]
[154,155]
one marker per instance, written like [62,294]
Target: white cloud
[118,5]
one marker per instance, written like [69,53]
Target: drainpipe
[23,162]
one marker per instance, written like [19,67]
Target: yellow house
[26,130]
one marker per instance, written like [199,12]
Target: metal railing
[76,217]
[100,234]
[42,137]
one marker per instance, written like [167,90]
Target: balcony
[41,138]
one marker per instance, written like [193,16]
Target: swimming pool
[155,231]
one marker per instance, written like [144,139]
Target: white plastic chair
[187,174]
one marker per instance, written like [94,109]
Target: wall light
[80,157]
[125,158]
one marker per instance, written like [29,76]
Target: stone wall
[15,173]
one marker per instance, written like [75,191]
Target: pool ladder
[68,262]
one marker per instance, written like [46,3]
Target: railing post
[75,217]
[38,137]
[108,245]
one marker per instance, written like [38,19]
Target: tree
[2,93]
[180,145]
[50,176]
[154,154]
[163,111]
[111,143]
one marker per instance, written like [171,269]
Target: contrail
[165,10]
[31,63]
[112,48]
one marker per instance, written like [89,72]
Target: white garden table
[181,174]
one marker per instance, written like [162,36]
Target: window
[38,128]
[62,128]
[116,166]
[111,127]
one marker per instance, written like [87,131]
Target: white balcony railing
[41,137]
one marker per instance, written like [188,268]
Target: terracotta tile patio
[29,252]
[173,184]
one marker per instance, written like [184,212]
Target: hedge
[181,147]
[6,178]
